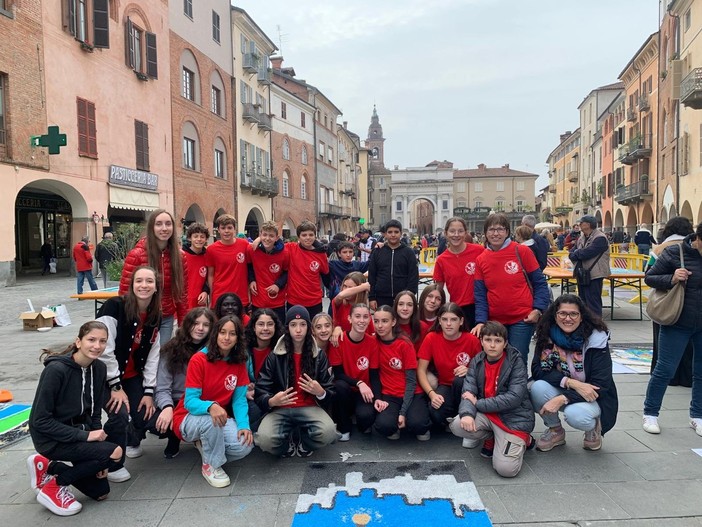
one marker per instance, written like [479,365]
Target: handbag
[665,305]
[581,274]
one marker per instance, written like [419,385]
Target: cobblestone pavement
[636,480]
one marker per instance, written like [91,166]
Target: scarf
[567,341]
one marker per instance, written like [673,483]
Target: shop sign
[129,177]
[36,203]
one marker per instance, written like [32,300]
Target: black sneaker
[488,448]
[302,451]
[172,449]
[292,448]
[532,443]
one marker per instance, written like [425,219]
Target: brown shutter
[141,133]
[92,130]
[82,126]
[151,60]
[101,24]
[128,43]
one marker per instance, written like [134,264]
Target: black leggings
[348,402]
[417,421]
[452,398]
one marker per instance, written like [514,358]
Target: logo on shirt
[203,271]
[362,363]
[470,268]
[314,266]
[274,268]
[240,257]
[511,267]
[395,363]
[230,382]
[462,359]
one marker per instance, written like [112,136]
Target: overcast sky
[470,81]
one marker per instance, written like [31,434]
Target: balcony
[264,122]
[258,184]
[250,113]
[478,213]
[691,89]
[643,103]
[634,193]
[333,211]
[251,62]
[264,75]
[552,189]
[573,176]
[346,212]
[638,148]
[630,114]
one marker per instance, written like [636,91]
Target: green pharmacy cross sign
[53,139]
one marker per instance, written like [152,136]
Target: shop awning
[124,198]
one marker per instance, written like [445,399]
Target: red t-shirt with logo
[215,380]
[197,275]
[230,269]
[457,271]
[357,358]
[304,284]
[303,398]
[340,317]
[268,268]
[508,295]
[448,354]
[394,358]
[492,378]
[259,357]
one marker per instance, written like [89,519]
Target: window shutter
[128,43]
[101,24]
[141,134]
[92,129]
[151,60]
[82,126]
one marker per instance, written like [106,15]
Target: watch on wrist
[116,387]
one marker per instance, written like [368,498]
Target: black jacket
[512,401]
[540,249]
[660,276]
[273,377]
[598,371]
[67,404]
[121,333]
[391,271]
[105,252]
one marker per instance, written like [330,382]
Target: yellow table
[99,295]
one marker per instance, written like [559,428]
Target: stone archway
[433,183]
[631,221]
[608,221]
[254,219]
[647,215]
[619,219]
[686,211]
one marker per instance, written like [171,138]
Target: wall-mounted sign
[129,177]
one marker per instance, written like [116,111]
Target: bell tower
[375,141]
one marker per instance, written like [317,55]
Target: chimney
[481,166]
[276,62]
[506,165]
[565,135]
[346,125]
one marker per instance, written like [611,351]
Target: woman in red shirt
[430,301]
[406,311]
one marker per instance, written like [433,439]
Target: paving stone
[667,498]
[669,522]
[195,485]
[676,401]
[227,511]
[613,442]
[560,467]
[482,473]
[628,420]
[669,440]
[655,466]
[494,506]
[275,477]
[631,388]
[156,484]
[145,513]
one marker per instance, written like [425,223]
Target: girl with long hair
[190,338]
[214,414]
[430,301]
[354,290]
[406,312]
[65,425]
[294,382]
[322,328]
[160,249]
[131,357]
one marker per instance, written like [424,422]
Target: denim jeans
[80,278]
[220,444]
[672,341]
[316,429]
[581,416]
[519,336]
[165,331]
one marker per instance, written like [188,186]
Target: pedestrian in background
[105,252]
[46,252]
[591,254]
[84,265]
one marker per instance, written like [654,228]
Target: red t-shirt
[196,277]
[230,269]
[304,285]
[447,354]
[303,398]
[268,268]
[457,271]
[407,330]
[492,377]
[340,317]
[129,368]
[393,359]
[508,295]
[259,357]
[357,358]
[216,380]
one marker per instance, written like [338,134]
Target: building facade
[432,184]
[349,172]
[563,174]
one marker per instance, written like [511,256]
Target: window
[141,51]
[141,136]
[478,186]
[383,197]
[304,154]
[520,205]
[330,155]
[286,185]
[398,206]
[320,151]
[499,205]
[3,109]
[303,188]
[188,84]
[478,204]
[245,93]
[687,19]
[216,101]
[286,149]
[86,20]
[461,187]
[219,163]
[283,110]
[189,153]
[87,132]
[215,27]
[188,8]
[302,119]
[444,204]
[520,185]
[500,186]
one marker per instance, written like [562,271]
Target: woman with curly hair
[190,338]
[214,413]
[572,372]
[230,304]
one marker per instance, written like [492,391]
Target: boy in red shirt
[308,263]
[268,270]
[495,405]
[195,253]
[227,260]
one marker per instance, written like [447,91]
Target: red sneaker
[58,500]
[37,465]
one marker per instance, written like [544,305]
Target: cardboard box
[34,321]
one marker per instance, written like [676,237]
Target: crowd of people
[256,362]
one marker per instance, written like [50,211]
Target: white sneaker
[343,437]
[470,443]
[696,424]
[650,424]
[395,436]
[118,476]
[216,477]
[424,437]
[134,451]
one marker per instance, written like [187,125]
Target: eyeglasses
[573,315]
[497,229]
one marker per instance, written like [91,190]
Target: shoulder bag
[665,305]
[581,274]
